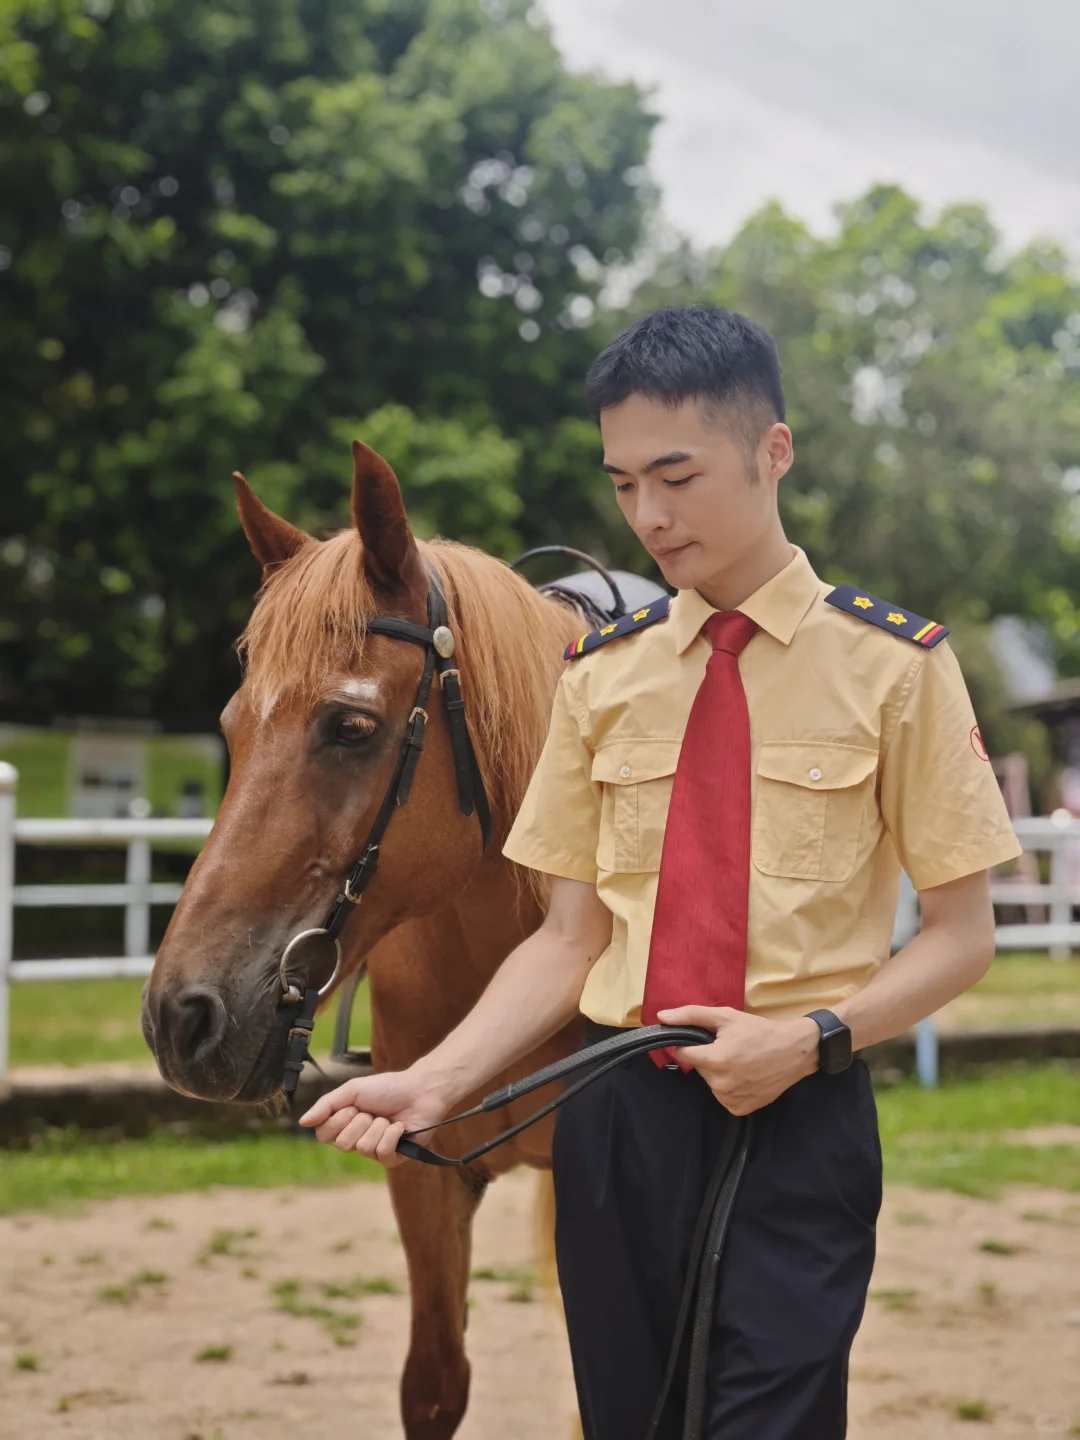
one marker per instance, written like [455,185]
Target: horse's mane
[309,624]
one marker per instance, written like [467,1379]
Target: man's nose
[651,514]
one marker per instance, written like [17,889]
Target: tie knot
[730,631]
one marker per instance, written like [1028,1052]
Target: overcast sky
[809,101]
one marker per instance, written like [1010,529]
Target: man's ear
[272,539]
[379,516]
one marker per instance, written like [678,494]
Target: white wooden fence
[1059,934]
[136,894]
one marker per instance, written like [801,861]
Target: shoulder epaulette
[887,617]
[625,625]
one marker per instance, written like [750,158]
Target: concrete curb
[132,1100]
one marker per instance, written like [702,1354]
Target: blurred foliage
[234,235]
[933,387]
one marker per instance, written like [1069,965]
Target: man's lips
[670,551]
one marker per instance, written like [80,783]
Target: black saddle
[598,595]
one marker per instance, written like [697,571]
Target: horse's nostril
[199,1020]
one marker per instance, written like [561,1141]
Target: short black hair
[694,352]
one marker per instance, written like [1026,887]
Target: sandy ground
[115,1305]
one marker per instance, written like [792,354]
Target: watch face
[835,1051]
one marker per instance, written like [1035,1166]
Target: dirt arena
[263,1315]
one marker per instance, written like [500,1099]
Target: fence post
[137,911]
[1060,906]
[9,784]
[926,1052]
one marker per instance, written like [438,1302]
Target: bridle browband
[437,642]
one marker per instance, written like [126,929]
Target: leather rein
[437,642]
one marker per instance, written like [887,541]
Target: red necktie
[698,950]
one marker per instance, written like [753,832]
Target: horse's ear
[272,539]
[379,515]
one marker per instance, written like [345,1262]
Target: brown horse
[314,733]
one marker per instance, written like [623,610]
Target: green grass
[288,1295]
[972,1410]
[82,1022]
[1023,973]
[894,1299]
[76,1022]
[1020,990]
[41,759]
[63,1169]
[227,1242]
[79,1022]
[353,1289]
[951,1138]
[946,1138]
[218,1353]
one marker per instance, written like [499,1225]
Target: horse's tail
[544,1237]
[544,1251]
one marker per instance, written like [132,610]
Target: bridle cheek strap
[437,642]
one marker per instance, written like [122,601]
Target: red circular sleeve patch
[977,743]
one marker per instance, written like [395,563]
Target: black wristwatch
[834,1047]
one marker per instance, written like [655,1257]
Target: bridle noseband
[437,641]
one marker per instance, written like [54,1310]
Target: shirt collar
[778,607]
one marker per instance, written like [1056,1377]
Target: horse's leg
[435,1210]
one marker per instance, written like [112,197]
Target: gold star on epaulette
[871,609]
[624,625]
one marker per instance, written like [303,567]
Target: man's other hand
[752,1060]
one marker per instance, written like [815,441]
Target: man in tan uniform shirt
[864,757]
[863,753]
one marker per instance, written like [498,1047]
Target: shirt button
[626,772]
[815,773]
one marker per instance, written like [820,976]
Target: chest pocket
[813,801]
[637,777]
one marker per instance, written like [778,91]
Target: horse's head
[314,736]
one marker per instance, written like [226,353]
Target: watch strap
[833,1054]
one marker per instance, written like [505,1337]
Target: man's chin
[683,569]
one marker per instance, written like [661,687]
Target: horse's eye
[352,729]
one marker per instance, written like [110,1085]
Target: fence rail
[136,895]
[1060,934]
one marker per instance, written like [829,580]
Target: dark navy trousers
[632,1158]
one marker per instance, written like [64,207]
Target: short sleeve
[940,799]
[557,827]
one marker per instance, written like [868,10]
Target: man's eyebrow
[674,457]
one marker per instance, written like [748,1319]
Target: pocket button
[815,773]
[626,772]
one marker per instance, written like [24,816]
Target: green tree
[235,232]
[933,386]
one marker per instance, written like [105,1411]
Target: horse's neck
[493,914]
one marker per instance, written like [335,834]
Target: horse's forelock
[308,622]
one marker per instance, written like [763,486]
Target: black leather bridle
[437,642]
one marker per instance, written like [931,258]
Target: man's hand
[371,1114]
[752,1060]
